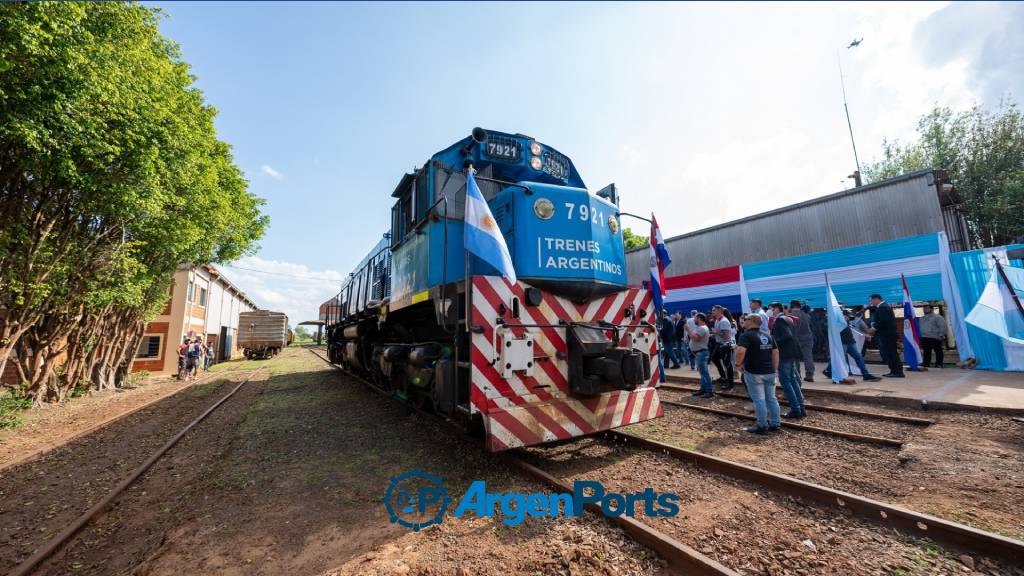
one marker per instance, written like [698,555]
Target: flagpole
[469,289]
[1013,292]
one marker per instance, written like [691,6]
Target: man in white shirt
[757,308]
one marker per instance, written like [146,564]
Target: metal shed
[908,205]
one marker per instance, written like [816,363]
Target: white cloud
[269,171]
[288,287]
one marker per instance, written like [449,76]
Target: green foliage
[111,172]
[983,153]
[301,333]
[633,241]
[11,405]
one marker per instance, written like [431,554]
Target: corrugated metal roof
[848,218]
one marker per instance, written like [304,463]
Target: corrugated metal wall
[896,208]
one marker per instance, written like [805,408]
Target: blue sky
[701,113]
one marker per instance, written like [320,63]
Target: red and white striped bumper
[533,406]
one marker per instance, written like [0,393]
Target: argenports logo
[417,500]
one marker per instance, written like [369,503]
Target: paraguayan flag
[482,235]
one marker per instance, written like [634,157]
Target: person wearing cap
[757,361]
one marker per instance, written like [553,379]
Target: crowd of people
[193,354]
[777,341]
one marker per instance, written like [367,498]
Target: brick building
[202,302]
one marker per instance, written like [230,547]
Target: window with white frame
[149,347]
[191,291]
[202,297]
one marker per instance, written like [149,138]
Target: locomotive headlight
[536,163]
[536,148]
[543,208]
[613,224]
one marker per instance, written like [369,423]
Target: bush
[11,404]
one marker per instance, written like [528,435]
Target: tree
[983,153]
[632,240]
[111,175]
[302,334]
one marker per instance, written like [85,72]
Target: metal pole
[846,108]
[1013,293]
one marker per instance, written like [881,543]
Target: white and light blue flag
[482,235]
[996,312]
[836,324]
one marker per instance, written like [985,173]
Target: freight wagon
[262,333]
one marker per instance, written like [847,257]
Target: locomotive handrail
[486,179]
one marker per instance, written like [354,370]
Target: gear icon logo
[416,500]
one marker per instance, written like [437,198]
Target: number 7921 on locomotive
[567,350]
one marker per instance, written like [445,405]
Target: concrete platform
[946,387]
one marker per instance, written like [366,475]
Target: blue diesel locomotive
[566,351]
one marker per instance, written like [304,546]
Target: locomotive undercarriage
[409,353]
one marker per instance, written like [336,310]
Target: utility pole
[846,107]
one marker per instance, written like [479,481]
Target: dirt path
[286,478]
[52,425]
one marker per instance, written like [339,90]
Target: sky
[700,113]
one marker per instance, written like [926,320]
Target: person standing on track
[667,331]
[725,342]
[804,338]
[699,338]
[757,360]
[782,331]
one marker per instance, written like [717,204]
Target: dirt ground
[287,477]
[968,467]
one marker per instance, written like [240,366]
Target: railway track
[59,540]
[891,442]
[839,504]
[683,557]
[819,408]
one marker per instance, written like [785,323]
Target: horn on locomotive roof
[478,135]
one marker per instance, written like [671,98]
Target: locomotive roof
[452,156]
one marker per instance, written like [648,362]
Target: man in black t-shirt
[757,359]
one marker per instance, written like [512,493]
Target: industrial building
[202,302]
[913,204]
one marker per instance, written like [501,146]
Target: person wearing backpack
[192,355]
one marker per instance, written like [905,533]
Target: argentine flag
[482,235]
[996,311]
[836,324]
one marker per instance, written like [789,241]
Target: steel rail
[892,442]
[678,555]
[949,534]
[43,451]
[33,562]
[878,415]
